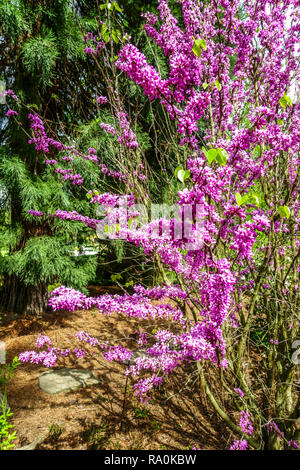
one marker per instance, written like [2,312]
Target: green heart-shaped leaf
[241,199]
[218,85]
[197,50]
[211,155]
[285,101]
[182,175]
[284,211]
[116,6]
[177,170]
[204,151]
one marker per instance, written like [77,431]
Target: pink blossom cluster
[239,391]
[125,135]
[134,64]
[112,173]
[239,445]
[201,341]
[66,298]
[74,215]
[11,112]
[67,175]
[272,426]
[108,128]
[245,423]
[40,140]
[102,99]
[293,443]
[11,94]
[44,144]
[157,293]
[36,213]
[94,45]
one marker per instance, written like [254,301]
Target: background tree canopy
[43,61]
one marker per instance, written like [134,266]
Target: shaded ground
[94,418]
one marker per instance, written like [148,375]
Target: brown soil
[91,418]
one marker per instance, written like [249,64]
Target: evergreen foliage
[41,40]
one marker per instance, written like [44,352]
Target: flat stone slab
[66,380]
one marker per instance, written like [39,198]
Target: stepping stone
[35,443]
[66,380]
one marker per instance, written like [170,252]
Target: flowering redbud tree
[233,66]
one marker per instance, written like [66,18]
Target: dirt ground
[95,417]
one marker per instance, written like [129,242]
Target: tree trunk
[15,297]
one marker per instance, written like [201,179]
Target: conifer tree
[43,61]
